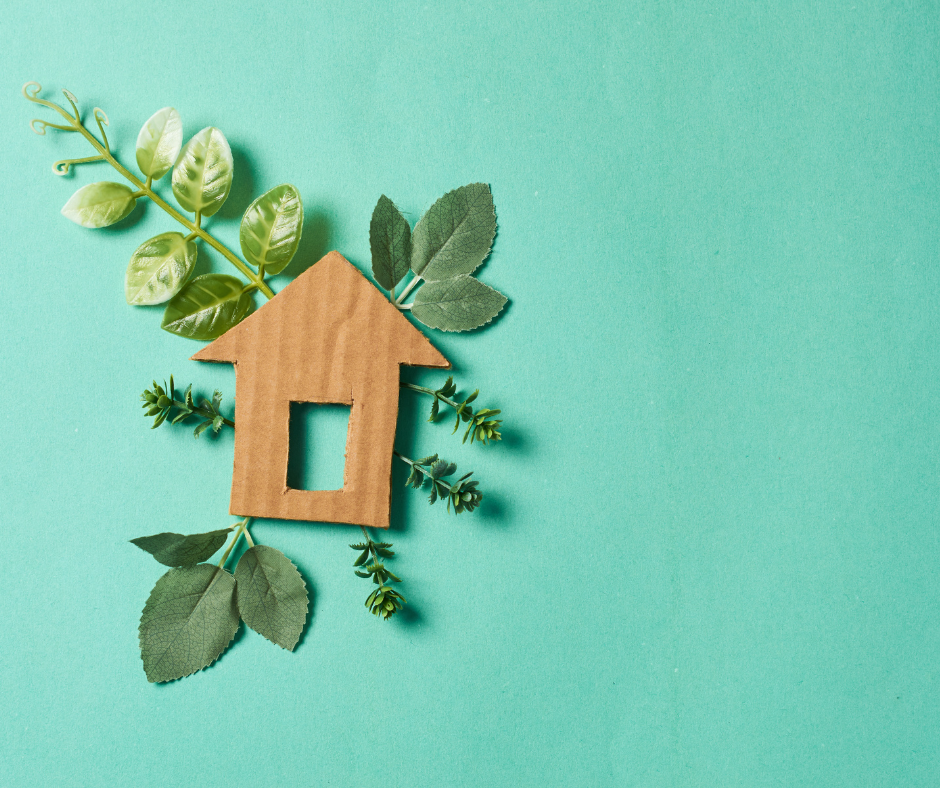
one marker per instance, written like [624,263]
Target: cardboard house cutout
[328,337]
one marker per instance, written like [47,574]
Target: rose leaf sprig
[449,242]
[194,610]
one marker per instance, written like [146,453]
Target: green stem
[242,528]
[145,190]
[423,470]
[197,411]
[433,393]
[411,285]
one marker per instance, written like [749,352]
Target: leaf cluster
[384,601]
[192,613]
[448,243]
[462,494]
[160,402]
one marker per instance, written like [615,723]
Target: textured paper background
[709,551]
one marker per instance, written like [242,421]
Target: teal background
[708,554]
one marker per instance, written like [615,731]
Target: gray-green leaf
[100,204]
[178,550]
[455,234]
[390,239]
[271,228]
[202,176]
[207,307]
[158,143]
[457,304]
[272,596]
[188,621]
[159,269]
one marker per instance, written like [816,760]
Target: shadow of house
[328,337]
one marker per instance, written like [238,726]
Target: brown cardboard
[331,337]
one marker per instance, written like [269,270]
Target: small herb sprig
[384,601]
[462,494]
[160,402]
[481,425]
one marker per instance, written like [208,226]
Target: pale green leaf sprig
[448,244]
[193,612]
[161,403]
[462,494]
[384,601]
[160,270]
[481,425]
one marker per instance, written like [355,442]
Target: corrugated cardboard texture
[329,337]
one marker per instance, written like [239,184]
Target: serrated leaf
[159,142]
[272,596]
[201,428]
[158,269]
[207,307]
[202,177]
[455,235]
[459,304]
[100,204]
[188,621]
[271,227]
[435,409]
[172,549]
[390,241]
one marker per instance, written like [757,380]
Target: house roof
[331,309]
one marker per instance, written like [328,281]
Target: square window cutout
[316,457]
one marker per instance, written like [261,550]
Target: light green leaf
[207,307]
[159,269]
[158,143]
[272,596]
[188,621]
[178,550]
[202,176]
[100,204]
[457,304]
[271,228]
[455,234]
[390,239]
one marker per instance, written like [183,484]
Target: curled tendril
[72,100]
[102,118]
[31,92]
[40,126]
[62,167]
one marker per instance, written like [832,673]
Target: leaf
[207,307]
[458,304]
[100,204]
[390,239]
[202,176]
[188,621]
[201,428]
[271,227]
[272,596]
[158,269]
[178,550]
[455,234]
[158,143]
